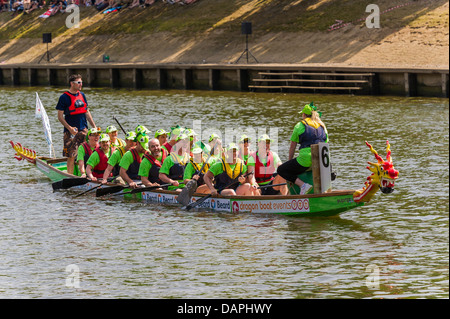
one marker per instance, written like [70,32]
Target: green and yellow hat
[110,129]
[104,137]
[265,137]
[143,140]
[243,138]
[182,137]
[141,129]
[213,136]
[308,109]
[94,130]
[232,146]
[160,132]
[130,136]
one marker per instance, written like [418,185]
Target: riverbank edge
[241,77]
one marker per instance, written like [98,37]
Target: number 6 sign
[325,167]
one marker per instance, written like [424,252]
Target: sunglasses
[78,82]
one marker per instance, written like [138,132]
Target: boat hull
[326,204]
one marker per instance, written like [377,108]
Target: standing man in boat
[73,113]
[151,164]
[98,161]
[310,130]
[131,160]
[114,160]
[264,163]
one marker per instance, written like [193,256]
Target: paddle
[114,118]
[70,182]
[189,189]
[142,189]
[201,200]
[266,186]
[91,189]
[110,190]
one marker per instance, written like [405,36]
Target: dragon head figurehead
[382,177]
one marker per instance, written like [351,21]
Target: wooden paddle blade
[71,182]
[186,193]
[108,190]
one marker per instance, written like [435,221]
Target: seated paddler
[264,164]
[172,170]
[228,176]
[98,161]
[113,168]
[85,150]
[131,161]
[194,169]
[152,163]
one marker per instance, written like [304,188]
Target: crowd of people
[176,156]
[27,6]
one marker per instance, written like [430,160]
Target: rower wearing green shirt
[114,160]
[216,142]
[131,160]
[264,163]
[151,164]
[172,170]
[98,161]
[113,135]
[310,130]
[85,150]
[193,168]
[230,169]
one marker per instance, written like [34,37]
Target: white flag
[41,114]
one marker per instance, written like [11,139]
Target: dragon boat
[329,203]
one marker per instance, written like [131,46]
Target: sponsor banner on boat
[217,204]
[271,206]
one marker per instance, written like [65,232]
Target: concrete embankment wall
[235,77]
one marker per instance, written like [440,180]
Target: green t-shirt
[190,169]
[146,166]
[94,159]
[304,155]
[127,159]
[168,163]
[115,158]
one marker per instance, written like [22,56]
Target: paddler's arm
[163,177]
[292,150]
[89,173]
[72,130]
[251,176]
[126,178]
[207,178]
[107,173]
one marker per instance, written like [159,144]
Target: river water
[397,246]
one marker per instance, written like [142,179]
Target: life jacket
[153,174]
[313,134]
[167,146]
[87,152]
[120,143]
[78,104]
[176,172]
[229,175]
[264,173]
[101,167]
[116,168]
[133,169]
[197,168]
